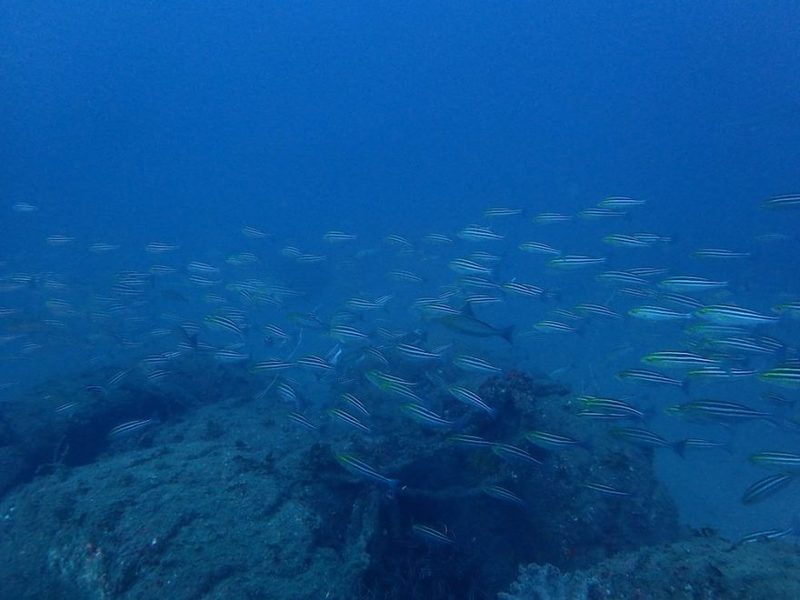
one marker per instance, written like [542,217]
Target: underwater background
[399,300]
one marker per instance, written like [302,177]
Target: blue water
[349,115]
[182,123]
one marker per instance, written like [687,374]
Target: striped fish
[610,406]
[657,313]
[677,359]
[222,323]
[473,363]
[778,460]
[620,202]
[572,262]
[464,266]
[424,416]
[597,310]
[501,493]
[404,276]
[550,441]
[605,489]
[468,440]
[523,289]
[766,535]
[548,218]
[689,284]
[362,469]
[716,410]
[271,365]
[412,352]
[345,417]
[593,214]
[299,419]
[253,232]
[502,211]
[437,238]
[766,487]
[346,334]
[470,398]
[622,240]
[720,373]
[538,248]
[784,376]
[649,377]
[646,438]
[334,237]
[729,314]
[553,327]
[782,202]
[355,403]
[314,362]
[514,454]
[431,534]
[719,253]
[129,427]
[621,277]
[477,233]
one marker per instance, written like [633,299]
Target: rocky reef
[703,567]
[224,495]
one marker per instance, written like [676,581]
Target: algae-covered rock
[237,497]
[706,568]
[188,517]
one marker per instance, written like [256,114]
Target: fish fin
[680,448]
